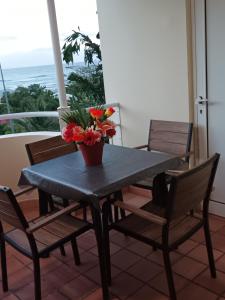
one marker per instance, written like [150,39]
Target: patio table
[68,177]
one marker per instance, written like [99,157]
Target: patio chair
[169,137]
[167,228]
[48,149]
[38,237]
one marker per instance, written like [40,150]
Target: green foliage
[85,86]
[30,99]
[73,46]
[80,116]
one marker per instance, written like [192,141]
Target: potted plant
[89,129]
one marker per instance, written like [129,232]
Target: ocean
[43,75]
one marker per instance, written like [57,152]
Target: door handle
[201,100]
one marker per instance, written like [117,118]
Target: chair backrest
[192,187]
[48,148]
[170,137]
[10,211]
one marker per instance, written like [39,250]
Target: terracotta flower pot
[92,154]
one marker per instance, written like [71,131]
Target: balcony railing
[117,140]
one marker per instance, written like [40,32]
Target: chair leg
[122,211]
[65,202]
[209,249]
[75,251]
[169,275]
[4,266]
[62,251]
[106,213]
[85,213]
[37,278]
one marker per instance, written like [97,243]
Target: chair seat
[144,228]
[48,237]
[147,183]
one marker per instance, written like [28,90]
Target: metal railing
[54,114]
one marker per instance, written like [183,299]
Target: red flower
[91,137]
[109,111]
[105,126]
[96,113]
[111,132]
[73,133]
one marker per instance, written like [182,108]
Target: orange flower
[109,111]
[105,126]
[96,113]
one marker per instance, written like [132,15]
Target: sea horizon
[45,75]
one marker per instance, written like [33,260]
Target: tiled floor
[137,271]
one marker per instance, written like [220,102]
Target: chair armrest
[141,147]
[51,218]
[174,172]
[141,213]
[24,191]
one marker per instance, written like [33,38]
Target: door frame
[201,134]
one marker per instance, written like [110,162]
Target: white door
[213,14]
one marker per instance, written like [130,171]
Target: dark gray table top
[68,176]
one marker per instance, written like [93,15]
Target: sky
[25,38]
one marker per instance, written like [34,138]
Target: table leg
[98,227]
[44,200]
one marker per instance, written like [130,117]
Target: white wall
[144,48]
[13,156]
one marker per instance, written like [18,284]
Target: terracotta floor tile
[216,223]
[222,230]
[195,292]
[220,264]
[146,293]
[10,297]
[13,265]
[20,278]
[77,288]
[156,256]
[198,236]
[22,258]
[27,292]
[124,259]
[216,285]
[88,261]
[160,282]
[55,296]
[47,264]
[140,248]
[218,241]
[125,285]
[47,287]
[137,272]
[69,253]
[200,253]
[188,267]
[121,240]
[113,249]
[96,295]
[187,246]
[86,241]
[62,274]
[144,270]
[94,273]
